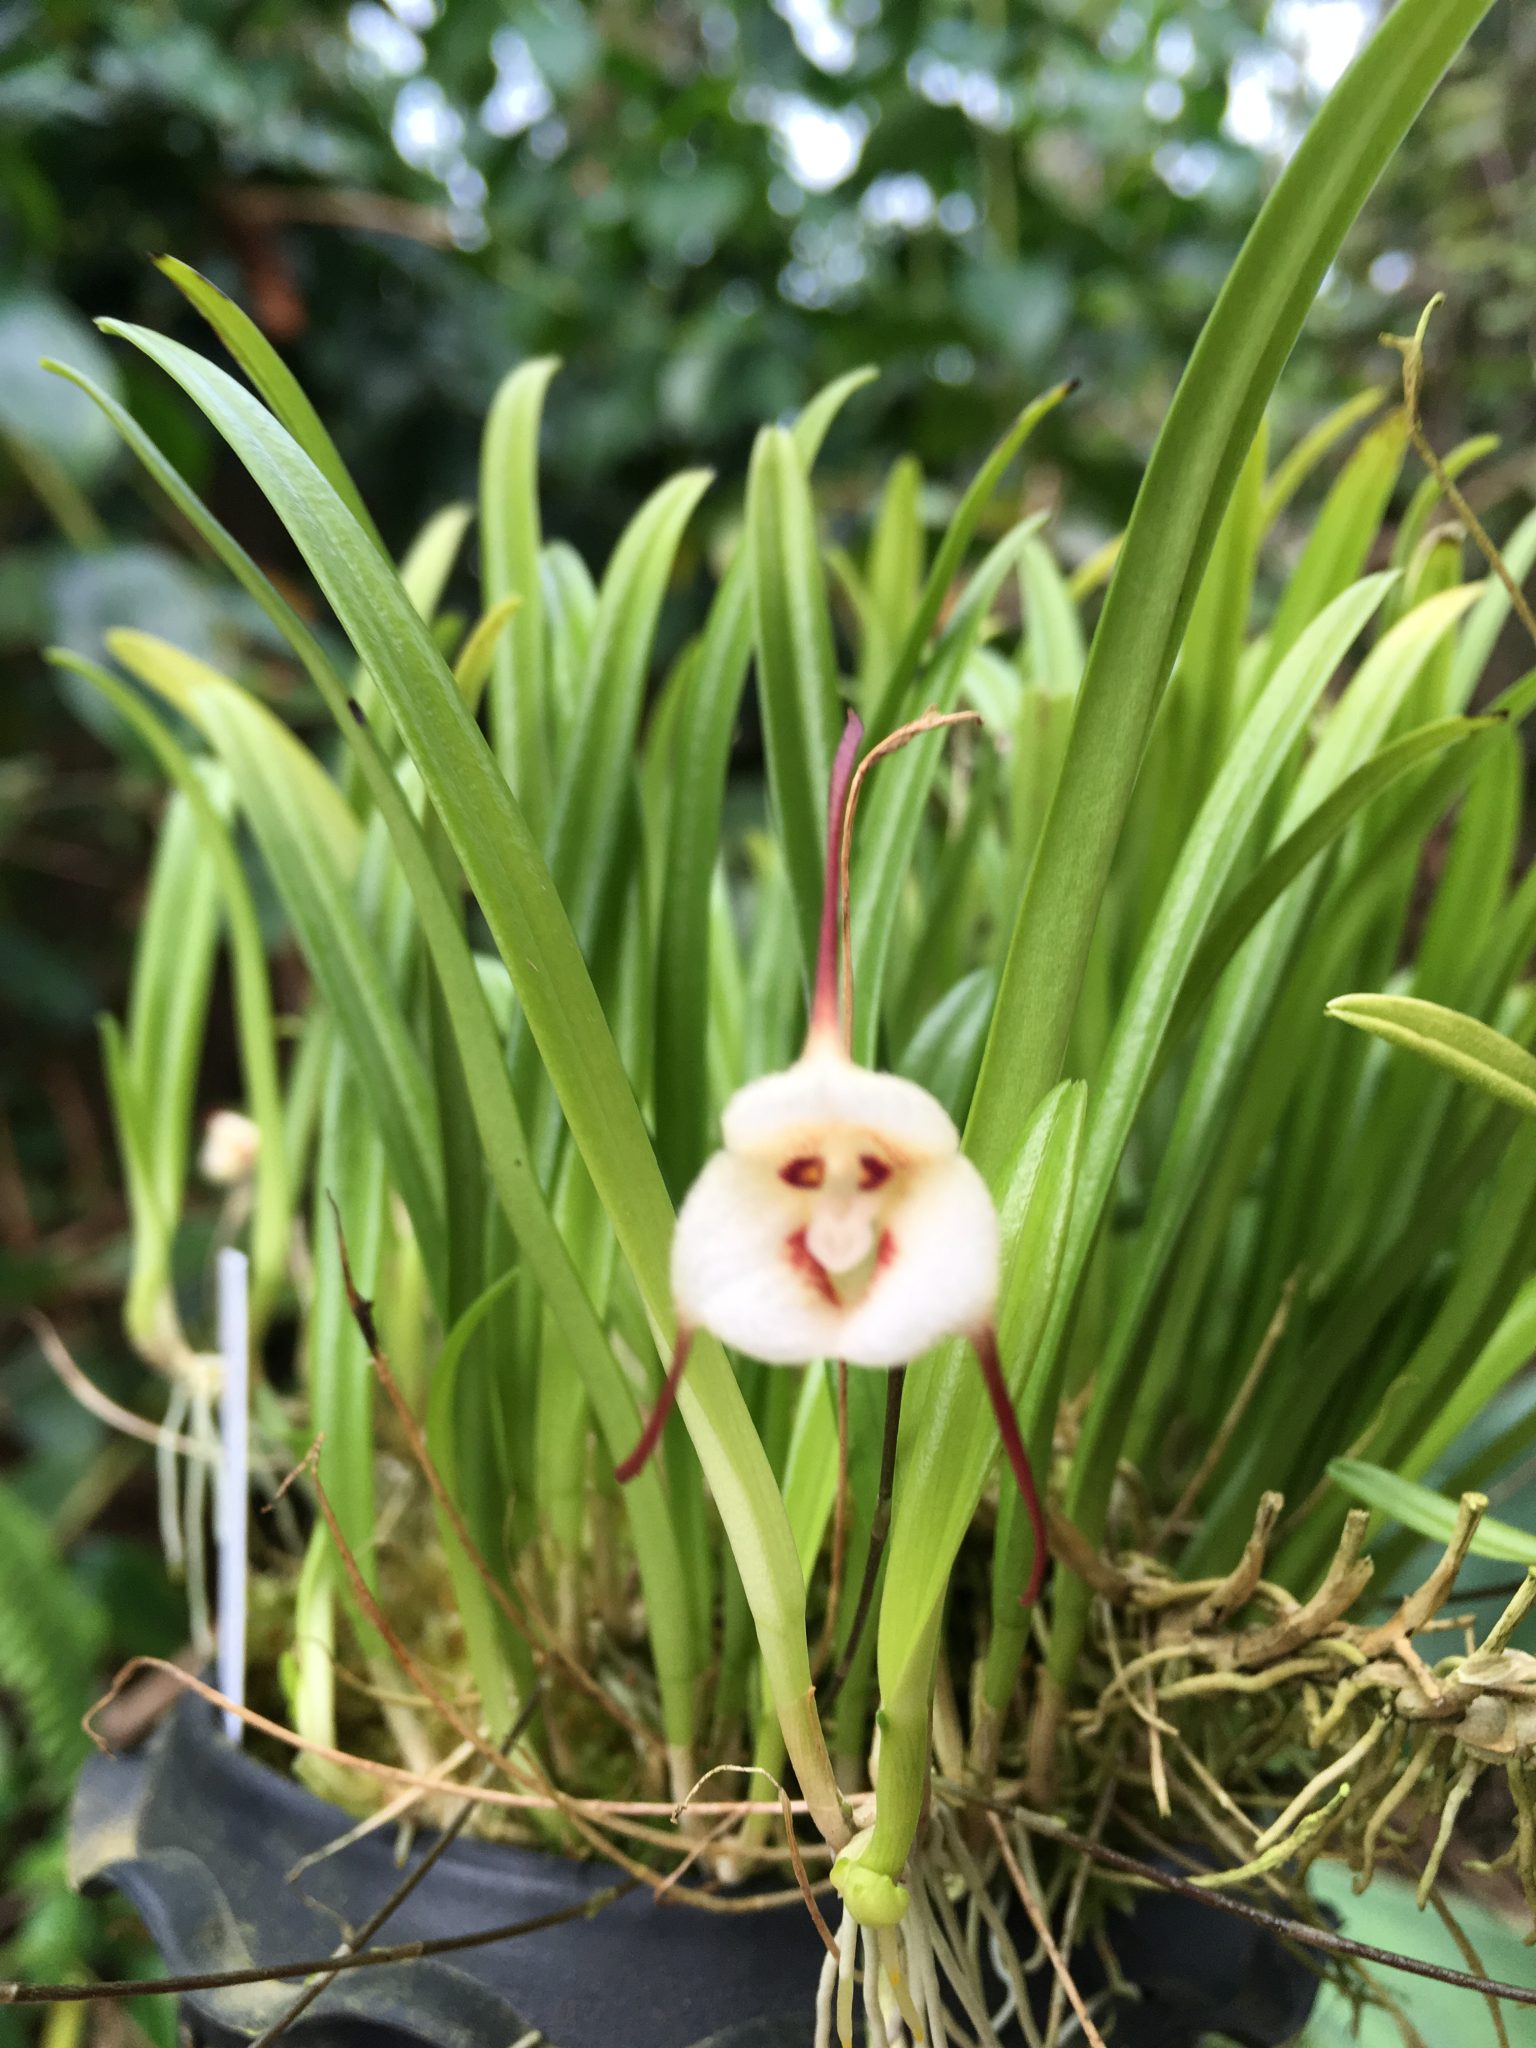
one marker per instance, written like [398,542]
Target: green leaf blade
[1471,1050]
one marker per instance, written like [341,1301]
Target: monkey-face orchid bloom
[840,1218]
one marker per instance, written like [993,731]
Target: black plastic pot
[201,1838]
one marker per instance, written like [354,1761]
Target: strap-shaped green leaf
[951,551]
[148,1299]
[510,542]
[1208,431]
[1488,620]
[1429,1513]
[1320,829]
[1471,1050]
[1298,463]
[948,1435]
[273,379]
[1506,1354]
[891,813]
[352,1171]
[1356,724]
[488,1644]
[1245,999]
[178,678]
[273,1214]
[1341,537]
[503,866]
[1053,627]
[886,595]
[595,776]
[317,894]
[168,996]
[1263,745]
[796,668]
[705,722]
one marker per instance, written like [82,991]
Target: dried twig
[1042,1928]
[397,1774]
[1411,349]
[402,1891]
[804,1883]
[268,1973]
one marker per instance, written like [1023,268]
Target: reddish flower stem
[656,1421]
[824,1018]
[985,1341]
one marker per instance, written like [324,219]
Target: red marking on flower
[873,1172]
[806,1263]
[808,1172]
[885,1250]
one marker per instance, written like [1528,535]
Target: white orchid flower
[840,1218]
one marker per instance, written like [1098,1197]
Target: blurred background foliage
[707,210]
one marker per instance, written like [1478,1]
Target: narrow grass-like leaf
[472,664]
[705,724]
[510,542]
[429,559]
[273,1211]
[179,678]
[891,815]
[893,576]
[466,1006]
[1472,1051]
[595,780]
[1053,629]
[1257,756]
[816,420]
[570,610]
[1292,471]
[1502,1358]
[168,996]
[273,379]
[948,1436]
[1183,497]
[351,1171]
[489,1646]
[1494,1265]
[810,1465]
[256,584]
[318,899]
[1210,666]
[148,1306]
[1428,493]
[944,1052]
[796,667]
[1488,620]
[1429,1513]
[1341,537]
[1320,829]
[1207,1125]
[887,707]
